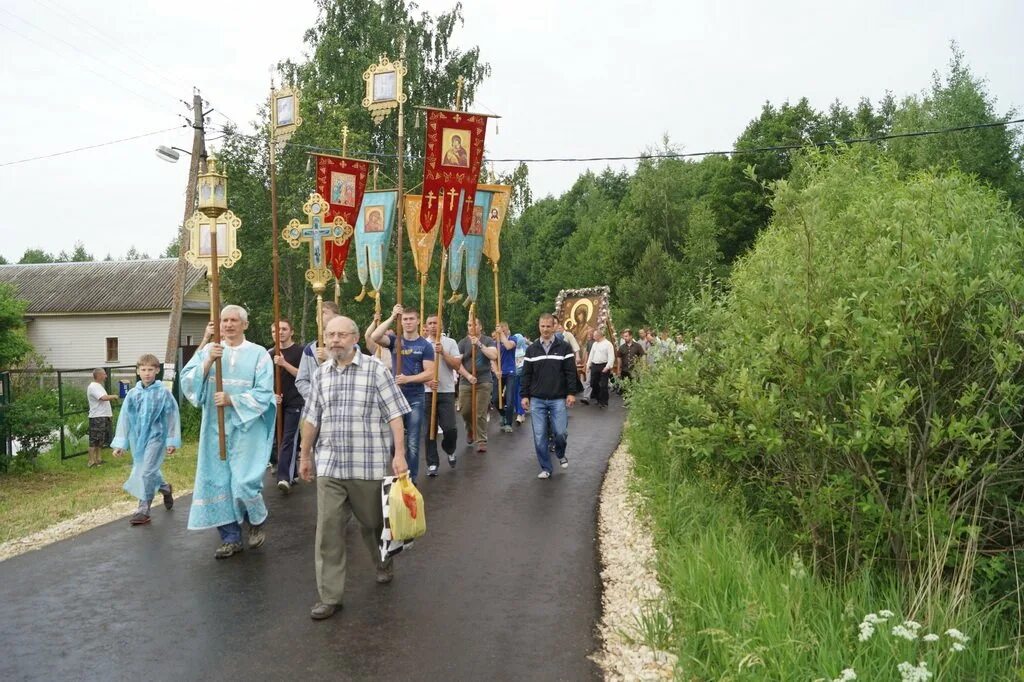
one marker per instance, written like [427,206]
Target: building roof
[97,287]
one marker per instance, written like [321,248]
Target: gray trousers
[336,501]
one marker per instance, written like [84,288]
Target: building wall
[79,341]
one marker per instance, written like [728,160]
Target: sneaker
[481,446]
[564,462]
[256,536]
[168,497]
[322,611]
[544,474]
[228,549]
[432,470]
[139,519]
[385,575]
[488,417]
[507,428]
[520,418]
[584,401]
[284,486]
[452,460]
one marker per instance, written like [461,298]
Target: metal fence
[69,386]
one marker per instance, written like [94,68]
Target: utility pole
[198,163]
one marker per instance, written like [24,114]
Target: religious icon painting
[384,87]
[477,226]
[284,112]
[222,240]
[343,189]
[455,142]
[373,218]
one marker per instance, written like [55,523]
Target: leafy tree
[135,254]
[14,344]
[77,255]
[33,256]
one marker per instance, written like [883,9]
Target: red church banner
[453,154]
[341,182]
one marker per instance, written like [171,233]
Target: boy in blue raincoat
[148,426]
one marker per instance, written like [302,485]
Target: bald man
[354,415]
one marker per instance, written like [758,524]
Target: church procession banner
[422,241]
[495,220]
[341,182]
[453,153]
[468,248]
[374,224]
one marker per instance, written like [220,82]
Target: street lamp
[169,154]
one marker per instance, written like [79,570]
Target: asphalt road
[504,586]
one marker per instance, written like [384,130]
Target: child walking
[149,427]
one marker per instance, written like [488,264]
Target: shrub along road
[505,585]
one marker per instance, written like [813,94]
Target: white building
[85,315]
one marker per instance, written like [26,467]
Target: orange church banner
[452,156]
[421,241]
[495,219]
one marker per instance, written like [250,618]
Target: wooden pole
[473,324]
[275,258]
[423,302]
[501,345]
[440,331]
[398,242]
[215,314]
[197,164]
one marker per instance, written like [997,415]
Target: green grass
[737,610]
[55,491]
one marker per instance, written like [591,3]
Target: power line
[92,146]
[137,57]
[681,155]
[83,52]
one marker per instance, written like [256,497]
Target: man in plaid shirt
[354,415]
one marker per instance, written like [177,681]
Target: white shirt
[97,407]
[445,374]
[602,352]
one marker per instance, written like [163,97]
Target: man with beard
[354,415]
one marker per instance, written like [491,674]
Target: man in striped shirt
[549,385]
[354,415]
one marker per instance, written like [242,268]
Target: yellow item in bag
[405,510]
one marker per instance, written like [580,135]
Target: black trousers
[286,462]
[599,383]
[446,420]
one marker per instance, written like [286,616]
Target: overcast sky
[570,79]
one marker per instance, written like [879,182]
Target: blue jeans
[510,387]
[545,414]
[413,422]
[230,532]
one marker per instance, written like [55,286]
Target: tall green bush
[862,379]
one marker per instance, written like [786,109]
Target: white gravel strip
[631,587]
[66,529]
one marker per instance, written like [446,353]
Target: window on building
[111,349]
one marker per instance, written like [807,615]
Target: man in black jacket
[549,382]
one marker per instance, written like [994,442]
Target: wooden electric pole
[198,163]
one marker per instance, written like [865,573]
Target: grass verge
[739,608]
[55,491]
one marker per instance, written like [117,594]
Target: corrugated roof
[97,287]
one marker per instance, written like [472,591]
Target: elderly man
[354,415]
[100,416]
[229,491]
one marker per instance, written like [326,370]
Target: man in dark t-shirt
[290,404]
[415,369]
[483,350]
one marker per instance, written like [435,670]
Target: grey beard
[341,354]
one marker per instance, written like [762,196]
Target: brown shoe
[323,611]
[385,575]
[139,519]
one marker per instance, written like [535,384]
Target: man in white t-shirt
[449,359]
[100,413]
[602,362]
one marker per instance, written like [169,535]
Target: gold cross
[430,200]
[451,201]
[344,140]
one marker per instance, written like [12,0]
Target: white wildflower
[866,630]
[957,636]
[886,613]
[957,647]
[873,618]
[910,673]
[931,637]
[848,675]
[797,570]
[908,630]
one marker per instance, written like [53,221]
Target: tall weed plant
[860,383]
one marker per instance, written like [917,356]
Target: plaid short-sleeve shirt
[352,405]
